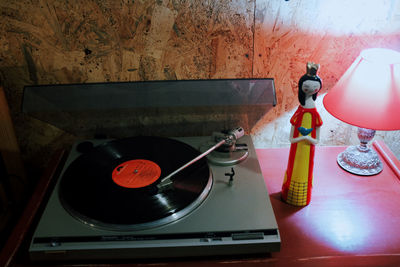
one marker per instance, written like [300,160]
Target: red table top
[351,220]
[354,219]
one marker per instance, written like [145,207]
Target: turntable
[158,197]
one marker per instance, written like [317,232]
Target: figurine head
[310,83]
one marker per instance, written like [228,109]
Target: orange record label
[136,173]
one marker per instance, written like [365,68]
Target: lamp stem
[365,136]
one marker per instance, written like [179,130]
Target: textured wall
[331,33]
[51,41]
[44,42]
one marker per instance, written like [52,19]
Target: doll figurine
[304,135]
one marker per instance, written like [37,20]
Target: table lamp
[367,96]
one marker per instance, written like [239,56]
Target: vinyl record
[114,185]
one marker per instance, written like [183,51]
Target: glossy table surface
[351,220]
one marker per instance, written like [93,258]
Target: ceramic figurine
[304,135]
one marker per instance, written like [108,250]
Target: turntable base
[234,218]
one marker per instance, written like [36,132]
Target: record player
[151,196]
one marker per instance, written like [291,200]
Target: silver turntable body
[235,217]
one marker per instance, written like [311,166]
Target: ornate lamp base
[361,159]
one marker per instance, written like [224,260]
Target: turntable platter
[113,185]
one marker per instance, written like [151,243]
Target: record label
[136,173]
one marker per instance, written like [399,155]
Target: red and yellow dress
[297,185]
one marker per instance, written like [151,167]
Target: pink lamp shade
[368,94]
